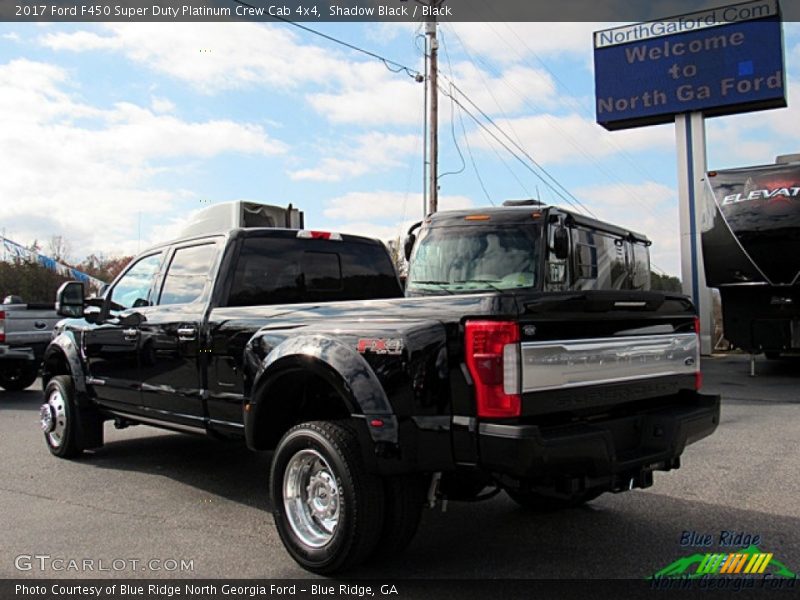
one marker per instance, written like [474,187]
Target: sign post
[690,135]
[721,61]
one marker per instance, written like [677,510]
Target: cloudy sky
[111,135]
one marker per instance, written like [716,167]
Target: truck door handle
[40,324]
[187,334]
[130,334]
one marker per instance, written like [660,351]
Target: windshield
[474,258]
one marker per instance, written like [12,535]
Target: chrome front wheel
[53,418]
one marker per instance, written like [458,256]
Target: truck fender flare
[65,345]
[340,365]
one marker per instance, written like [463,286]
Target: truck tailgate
[601,348]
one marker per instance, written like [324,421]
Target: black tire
[328,457]
[73,428]
[18,375]
[404,503]
[541,503]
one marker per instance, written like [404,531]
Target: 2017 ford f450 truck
[505,371]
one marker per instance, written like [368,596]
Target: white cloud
[219,56]
[11,36]
[379,97]
[85,173]
[505,91]
[512,42]
[371,95]
[161,105]
[366,213]
[649,207]
[211,56]
[612,196]
[368,153]
[558,139]
[757,137]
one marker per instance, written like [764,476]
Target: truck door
[112,347]
[171,351]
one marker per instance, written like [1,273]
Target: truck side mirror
[408,245]
[69,299]
[561,243]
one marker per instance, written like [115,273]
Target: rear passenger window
[275,270]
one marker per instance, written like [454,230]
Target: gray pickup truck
[25,331]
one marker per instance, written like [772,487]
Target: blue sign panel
[647,73]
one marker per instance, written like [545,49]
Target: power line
[650,207]
[392,65]
[506,165]
[463,128]
[510,151]
[452,119]
[472,160]
[574,201]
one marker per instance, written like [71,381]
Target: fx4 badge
[380,345]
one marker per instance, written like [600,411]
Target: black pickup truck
[373,406]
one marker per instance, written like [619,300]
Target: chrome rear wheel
[311,498]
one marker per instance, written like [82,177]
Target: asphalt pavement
[172,505]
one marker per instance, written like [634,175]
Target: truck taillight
[306,234]
[492,356]
[698,375]
[2,326]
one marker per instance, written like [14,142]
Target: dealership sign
[720,61]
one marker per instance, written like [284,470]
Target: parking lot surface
[149,498]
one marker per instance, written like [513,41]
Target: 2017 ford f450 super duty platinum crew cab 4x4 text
[504,370]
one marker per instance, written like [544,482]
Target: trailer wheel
[328,508]
[540,503]
[18,375]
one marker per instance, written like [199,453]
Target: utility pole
[433,104]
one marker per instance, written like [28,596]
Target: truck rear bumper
[614,454]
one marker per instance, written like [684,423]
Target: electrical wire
[463,128]
[392,65]
[452,121]
[567,196]
[472,159]
[651,207]
[510,151]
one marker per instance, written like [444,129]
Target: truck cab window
[189,274]
[134,288]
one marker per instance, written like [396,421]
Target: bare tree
[59,248]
